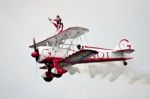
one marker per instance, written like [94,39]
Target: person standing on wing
[57,23]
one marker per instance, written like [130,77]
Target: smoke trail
[136,75]
[113,71]
[72,70]
[104,70]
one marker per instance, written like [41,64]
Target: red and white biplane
[63,50]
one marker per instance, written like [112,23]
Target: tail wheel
[125,63]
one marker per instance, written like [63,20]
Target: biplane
[65,49]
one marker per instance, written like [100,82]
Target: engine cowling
[35,54]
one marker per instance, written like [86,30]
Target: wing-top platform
[56,40]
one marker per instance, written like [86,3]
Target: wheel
[125,63]
[47,79]
[57,75]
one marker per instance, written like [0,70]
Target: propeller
[35,54]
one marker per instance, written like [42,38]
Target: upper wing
[70,33]
[77,57]
[74,32]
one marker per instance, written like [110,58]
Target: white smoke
[72,70]
[138,76]
[104,70]
[113,71]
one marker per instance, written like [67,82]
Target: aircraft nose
[35,54]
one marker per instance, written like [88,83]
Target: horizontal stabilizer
[123,51]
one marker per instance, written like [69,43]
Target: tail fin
[124,47]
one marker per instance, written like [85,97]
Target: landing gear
[57,75]
[49,74]
[60,71]
[125,63]
[48,79]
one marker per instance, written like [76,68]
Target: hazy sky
[108,21]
